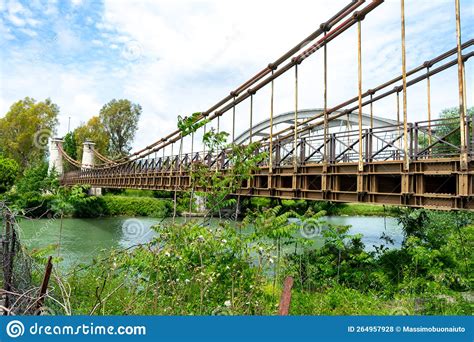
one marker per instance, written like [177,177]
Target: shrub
[136,206]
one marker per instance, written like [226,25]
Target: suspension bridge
[336,153]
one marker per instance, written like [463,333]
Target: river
[83,239]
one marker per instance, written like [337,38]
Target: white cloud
[194,53]
[18,15]
[15,20]
[77,2]
[183,56]
[5,32]
[97,42]
[29,32]
[78,93]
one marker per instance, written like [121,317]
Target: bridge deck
[431,183]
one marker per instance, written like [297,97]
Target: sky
[176,57]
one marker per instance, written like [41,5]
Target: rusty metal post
[302,150]
[414,144]
[406,159]
[360,169]
[371,112]
[204,145]
[359,73]
[172,161]
[398,122]
[462,96]
[7,257]
[324,176]
[271,128]
[233,121]
[278,154]
[44,286]
[295,126]
[428,93]
[405,186]
[285,300]
[251,117]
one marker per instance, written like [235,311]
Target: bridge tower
[87,154]
[55,156]
[88,162]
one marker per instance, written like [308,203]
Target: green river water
[83,239]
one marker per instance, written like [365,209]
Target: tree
[93,131]
[120,120]
[70,147]
[25,129]
[8,172]
[452,114]
[219,184]
[33,189]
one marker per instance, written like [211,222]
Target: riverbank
[359,209]
[144,203]
[202,271]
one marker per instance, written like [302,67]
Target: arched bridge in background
[337,153]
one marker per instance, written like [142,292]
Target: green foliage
[25,129]
[91,131]
[188,125]
[214,141]
[427,265]
[413,221]
[355,209]
[219,184]
[255,203]
[84,205]
[200,272]
[136,206]
[299,206]
[34,190]
[452,113]
[9,169]
[70,145]
[119,118]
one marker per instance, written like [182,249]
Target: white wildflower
[227,303]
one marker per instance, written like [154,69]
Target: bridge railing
[433,139]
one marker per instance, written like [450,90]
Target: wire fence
[19,295]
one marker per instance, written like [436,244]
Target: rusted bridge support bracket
[463,184]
